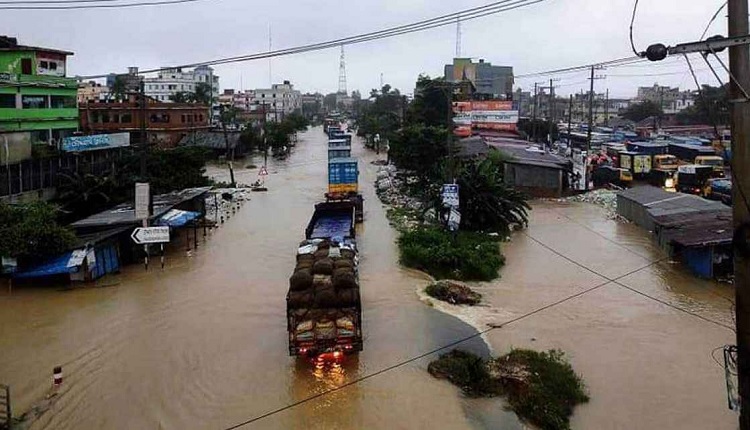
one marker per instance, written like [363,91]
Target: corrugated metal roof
[698,229]
[213,140]
[124,214]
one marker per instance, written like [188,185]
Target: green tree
[182,97]
[30,232]
[640,111]
[329,102]
[82,192]
[203,93]
[487,203]
[277,137]
[432,104]
[118,92]
[541,127]
[419,151]
[711,107]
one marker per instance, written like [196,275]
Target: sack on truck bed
[301,280]
[322,281]
[343,264]
[347,254]
[325,297]
[349,297]
[321,254]
[299,299]
[303,265]
[305,257]
[344,279]
[323,267]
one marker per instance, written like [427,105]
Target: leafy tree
[277,136]
[711,107]
[83,192]
[487,203]
[537,130]
[251,137]
[383,116]
[119,89]
[329,102]
[203,93]
[640,111]
[296,122]
[30,232]
[182,97]
[432,104]
[419,150]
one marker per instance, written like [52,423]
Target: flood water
[202,344]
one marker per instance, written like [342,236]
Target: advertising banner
[96,141]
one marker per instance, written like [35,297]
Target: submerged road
[202,344]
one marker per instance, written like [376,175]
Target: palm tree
[228,115]
[487,202]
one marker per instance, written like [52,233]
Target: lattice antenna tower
[342,73]
[458,37]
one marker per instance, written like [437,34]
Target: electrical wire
[433,351]
[25,2]
[610,63]
[99,6]
[632,21]
[448,19]
[713,18]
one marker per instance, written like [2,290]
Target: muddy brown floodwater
[202,344]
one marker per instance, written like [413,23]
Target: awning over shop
[177,218]
[64,264]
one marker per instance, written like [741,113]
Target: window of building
[61,102]
[182,118]
[44,64]
[126,118]
[105,118]
[162,87]
[39,136]
[34,102]
[26,66]
[262,96]
[53,66]
[7,101]
[274,95]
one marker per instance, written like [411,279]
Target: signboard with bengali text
[96,141]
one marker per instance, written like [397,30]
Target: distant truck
[605,175]
[324,308]
[688,153]
[720,189]
[693,179]
[638,164]
[343,184]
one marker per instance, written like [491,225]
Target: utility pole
[591,111]
[551,118]
[570,120]
[533,120]
[606,108]
[144,139]
[739,66]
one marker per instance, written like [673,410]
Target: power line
[434,351]
[95,6]
[713,18]
[616,282]
[611,63]
[25,2]
[449,19]
[632,21]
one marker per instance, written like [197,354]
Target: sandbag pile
[325,276]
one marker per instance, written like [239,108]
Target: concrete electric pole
[739,66]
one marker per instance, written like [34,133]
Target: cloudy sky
[548,35]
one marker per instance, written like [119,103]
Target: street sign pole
[143,211]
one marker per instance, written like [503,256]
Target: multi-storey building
[92,91]
[37,100]
[165,123]
[490,82]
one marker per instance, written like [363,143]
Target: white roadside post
[143,211]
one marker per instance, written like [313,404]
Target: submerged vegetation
[541,387]
[464,256]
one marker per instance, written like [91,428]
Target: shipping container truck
[638,164]
[324,308]
[343,184]
[688,153]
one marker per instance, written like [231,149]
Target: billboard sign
[96,141]
[495,115]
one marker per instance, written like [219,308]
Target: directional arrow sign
[144,235]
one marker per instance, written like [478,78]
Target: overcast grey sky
[548,35]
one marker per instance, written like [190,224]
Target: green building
[37,101]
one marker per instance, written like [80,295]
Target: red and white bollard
[57,377]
